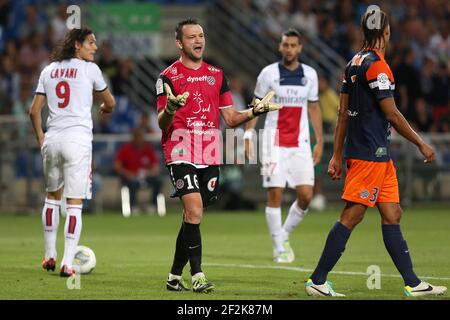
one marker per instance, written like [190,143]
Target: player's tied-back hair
[373,24]
[65,50]
[181,24]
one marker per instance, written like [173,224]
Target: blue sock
[334,247]
[398,250]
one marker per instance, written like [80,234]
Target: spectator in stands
[145,123]
[439,43]
[33,55]
[304,19]
[328,33]
[346,11]
[58,23]
[408,82]
[12,52]
[277,18]
[34,23]
[423,119]
[353,37]
[419,41]
[107,62]
[329,103]
[440,92]
[9,84]
[20,111]
[124,119]
[137,164]
[426,76]
[4,13]
[121,82]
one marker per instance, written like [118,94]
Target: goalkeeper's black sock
[398,250]
[334,247]
[181,257]
[193,243]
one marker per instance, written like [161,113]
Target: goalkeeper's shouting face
[191,41]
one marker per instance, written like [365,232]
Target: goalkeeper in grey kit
[191,94]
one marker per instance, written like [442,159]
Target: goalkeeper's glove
[174,103]
[263,106]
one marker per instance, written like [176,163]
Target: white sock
[72,231]
[294,217]
[197,275]
[273,218]
[173,277]
[50,222]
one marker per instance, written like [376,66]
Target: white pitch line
[348,273]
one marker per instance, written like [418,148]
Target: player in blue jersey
[367,111]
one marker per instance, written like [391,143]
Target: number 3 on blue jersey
[374,195]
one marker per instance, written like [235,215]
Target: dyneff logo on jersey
[212,184]
[209,79]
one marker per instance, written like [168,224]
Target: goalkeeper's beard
[193,57]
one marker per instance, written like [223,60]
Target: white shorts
[68,165]
[287,166]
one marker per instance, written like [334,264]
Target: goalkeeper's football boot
[176,283]
[288,249]
[200,284]
[66,272]
[49,264]
[322,290]
[424,289]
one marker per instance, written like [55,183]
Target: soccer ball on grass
[84,260]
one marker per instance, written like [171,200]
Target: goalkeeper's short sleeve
[161,97]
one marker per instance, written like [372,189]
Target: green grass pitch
[134,256]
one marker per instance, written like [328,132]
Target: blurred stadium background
[136,42]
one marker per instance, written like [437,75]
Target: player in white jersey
[286,155]
[67,85]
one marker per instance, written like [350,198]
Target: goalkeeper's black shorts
[188,179]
